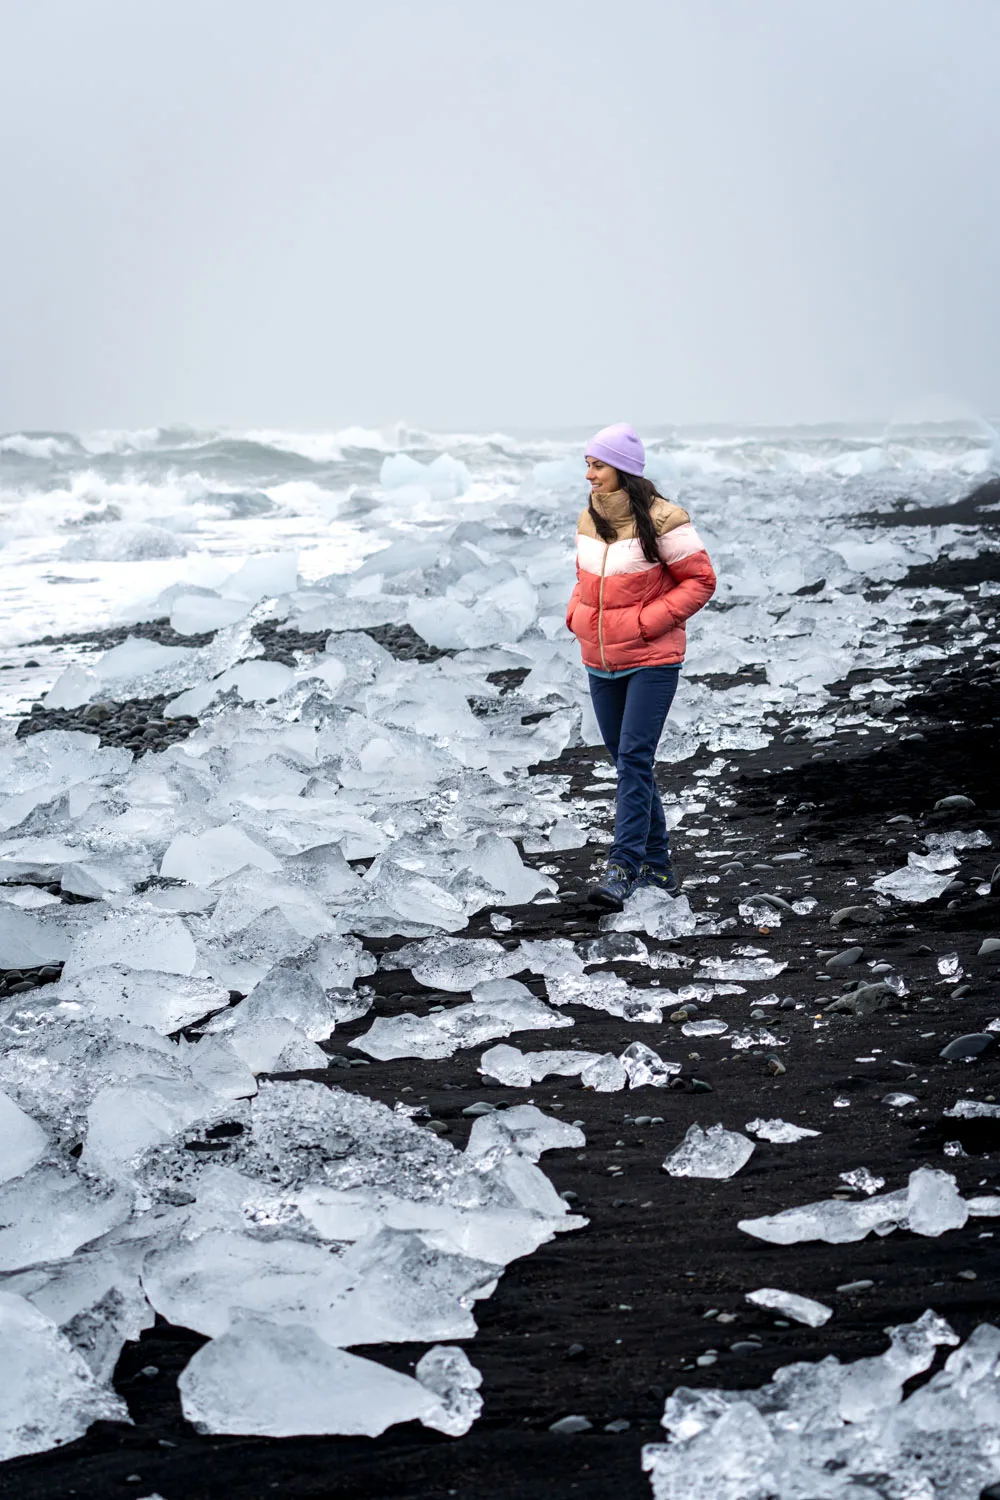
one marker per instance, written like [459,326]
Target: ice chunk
[973,1109]
[289,995]
[749,967]
[802,1309]
[48,1394]
[204,858]
[914,883]
[94,1299]
[658,916]
[933,1203]
[708,1027]
[550,956]
[264,1379]
[404,1036]
[446,1371]
[275,1045]
[468,1025]
[508,1065]
[136,939]
[456,964]
[715,1152]
[49,1213]
[22,1141]
[267,575]
[253,681]
[778,1131]
[608,993]
[644,1066]
[863,1180]
[196,614]
[605,1076]
[146,997]
[26,942]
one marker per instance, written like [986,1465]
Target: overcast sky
[481,215]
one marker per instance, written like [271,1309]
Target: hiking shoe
[616,886]
[660,880]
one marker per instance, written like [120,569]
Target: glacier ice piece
[203,858]
[48,1394]
[146,997]
[933,1203]
[27,942]
[456,964]
[508,1065]
[914,882]
[653,913]
[447,1372]
[269,1380]
[22,1140]
[644,1066]
[715,1152]
[285,994]
[780,1132]
[605,1076]
[863,1180]
[48,1213]
[136,939]
[801,1309]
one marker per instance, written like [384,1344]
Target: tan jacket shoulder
[666,517]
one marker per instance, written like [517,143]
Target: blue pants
[631,712]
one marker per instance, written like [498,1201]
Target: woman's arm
[682,552]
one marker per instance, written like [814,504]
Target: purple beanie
[620,446]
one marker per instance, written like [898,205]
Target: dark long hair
[641,493]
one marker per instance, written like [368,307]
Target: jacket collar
[616,509]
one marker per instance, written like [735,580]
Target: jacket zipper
[600,611]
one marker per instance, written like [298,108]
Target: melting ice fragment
[780,1132]
[802,1309]
[455,964]
[134,940]
[48,1394]
[715,1152]
[828,1429]
[201,859]
[508,1065]
[146,997]
[656,915]
[644,1066]
[930,1205]
[22,1141]
[605,1076]
[914,882]
[863,1180]
[272,1380]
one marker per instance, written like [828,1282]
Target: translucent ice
[22,1141]
[27,942]
[914,883]
[933,1203]
[778,1131]
[446,1371]
[715,1152]
[863,1180]
[289,995]
[518,1069]
[49,1213]
[605,1076]
[644,1066]
[278,1381]
[202,859]
[456,963]
[48,1394]
[608,993]
[146,997]
[802,1309]
[139,940]
[439,1035]
[656,915]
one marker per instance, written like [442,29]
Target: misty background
[478,216]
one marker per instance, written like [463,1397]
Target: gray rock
[964,1048]
[479,1108]
[844,959]
[855,1286]
[620,1424]
[953,804]
[437,1127]
[576,1351]
[776,1067]
[857,916]
[988,946]
[899,818]
[570,1425]
[744,1346]
[777,902]
[865,1000]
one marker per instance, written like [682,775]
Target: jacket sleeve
[682,552]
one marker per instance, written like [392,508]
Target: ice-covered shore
[349,796]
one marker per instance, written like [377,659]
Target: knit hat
[620,446]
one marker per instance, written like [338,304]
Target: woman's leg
[640,827]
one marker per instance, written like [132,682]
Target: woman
[642,571]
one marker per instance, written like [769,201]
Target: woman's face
[601,477]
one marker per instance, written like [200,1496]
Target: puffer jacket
[625,610]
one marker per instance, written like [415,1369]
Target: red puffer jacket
[625,610]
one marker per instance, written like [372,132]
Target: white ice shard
[791,1305]
[933,1203]
[606,1075]
[825,1429]
[285,994]
[608,993]
[274,1380]
[146,997]
[48,1394]
[275,1045]
[203,858]
[455,964]
[914,882]
[50,1212]
[715,1152]
[751,966]
[656,915]
[27,942]
[447,1371]
[930,1205]
[517,1069]
[644,1066]
[780,1132]
[440,1034]
[22,1140]
[136,939]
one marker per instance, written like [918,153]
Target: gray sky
[313,213]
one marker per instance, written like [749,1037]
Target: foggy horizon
[547,219]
